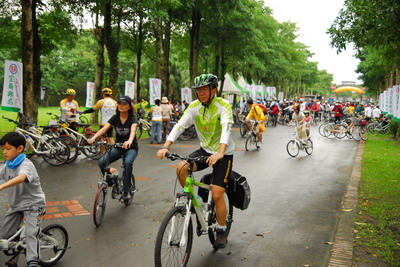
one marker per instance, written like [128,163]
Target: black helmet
[205,79]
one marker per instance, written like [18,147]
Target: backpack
[264,108]
[238,190]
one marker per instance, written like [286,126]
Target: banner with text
[89,94]
[12,90]
[130,89]
[154,90]
[186,95]
[396,102]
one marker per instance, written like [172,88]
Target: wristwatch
[164,147]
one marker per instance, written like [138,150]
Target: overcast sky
[313,18]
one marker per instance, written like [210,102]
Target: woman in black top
[125,123]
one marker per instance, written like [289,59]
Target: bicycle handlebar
[189,159]
[19,123]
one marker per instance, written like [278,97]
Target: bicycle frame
[41,140]
[188,190]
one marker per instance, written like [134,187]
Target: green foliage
[378,222]
[394,127]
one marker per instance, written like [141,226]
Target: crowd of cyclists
[212,117]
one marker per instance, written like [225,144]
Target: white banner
[186,95]
[280,96]
[42,92]
[154,90]
[396,102]
[384,102]
[130,89]
[12,90]
[89,94]
[390,101]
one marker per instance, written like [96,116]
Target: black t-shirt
[123,130]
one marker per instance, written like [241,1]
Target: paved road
[294,209]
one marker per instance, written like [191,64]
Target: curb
[342,251]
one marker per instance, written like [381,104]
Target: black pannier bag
[238,190]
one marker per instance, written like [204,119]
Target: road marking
[64,209]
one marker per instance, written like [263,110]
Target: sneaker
[221,240]
[125,196]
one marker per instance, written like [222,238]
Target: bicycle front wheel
[171,249]
[73,148]
[364,133]
[212,219]
[292,148]
[53,244]
[251,143]
[99,207]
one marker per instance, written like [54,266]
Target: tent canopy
[231,86]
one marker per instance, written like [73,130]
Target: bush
[394,127]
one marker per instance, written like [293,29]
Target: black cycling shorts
[109,133]
[221,170]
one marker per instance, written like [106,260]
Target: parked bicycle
[175,235]
[113,181]
[294,146]
[143,124]
[188,133]
[53,150]
[53,244]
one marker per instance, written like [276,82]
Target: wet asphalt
[294,210]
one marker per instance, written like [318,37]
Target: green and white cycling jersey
[213,125]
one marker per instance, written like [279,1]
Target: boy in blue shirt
[25,195]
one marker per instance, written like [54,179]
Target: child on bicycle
[308,119]
[25,195]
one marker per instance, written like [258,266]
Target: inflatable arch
[349,88]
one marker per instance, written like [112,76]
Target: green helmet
[205,79]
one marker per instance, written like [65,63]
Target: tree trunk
[98,81]
[29,98]
[223,70]
[37,72]
[112,46]
[194,42]
[139,58]
[166,52]
[158,37]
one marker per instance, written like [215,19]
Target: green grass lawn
[378,221]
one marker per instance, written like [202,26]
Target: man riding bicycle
[212,118]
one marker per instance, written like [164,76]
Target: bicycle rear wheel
[187,134]
[309,147]
[57,151]
[91,151]
[168,250]
[53,244]
[212,219]
[292,148]
[100,203]
[364,133]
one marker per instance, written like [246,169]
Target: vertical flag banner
[89,94]
[384,107]
[396,102]
[154,90]
[186,94]
[130,89]
[42,92]
[390,101]
[12,99]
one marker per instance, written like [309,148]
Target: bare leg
[182,171]
[220,205]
